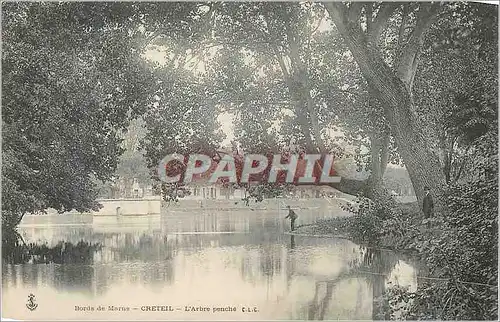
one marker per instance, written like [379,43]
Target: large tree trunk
[394,92]
[303,121]
[374,186]
[350,186]
[376,147]
[297,80]
[384,154]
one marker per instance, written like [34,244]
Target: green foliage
[179,120]
[400,302]
[132,163]
[365,228]
[462,246]
[401,230]
[266,190]
[456,89]
[441,300]
[71,74]
[171,192]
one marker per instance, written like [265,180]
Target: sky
[227,121]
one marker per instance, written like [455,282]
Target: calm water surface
[235,260]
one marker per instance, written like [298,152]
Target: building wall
[114,207]
[204,192]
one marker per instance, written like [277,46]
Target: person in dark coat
[428,203]
[293,216]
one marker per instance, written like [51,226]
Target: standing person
[428,203]
[293,216]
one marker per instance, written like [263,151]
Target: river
[180,265]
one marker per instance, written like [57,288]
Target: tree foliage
[70,78]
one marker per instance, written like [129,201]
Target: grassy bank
[367,229]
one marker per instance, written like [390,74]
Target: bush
[463,249]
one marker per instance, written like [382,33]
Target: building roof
[204,177]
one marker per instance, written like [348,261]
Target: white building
[205,190]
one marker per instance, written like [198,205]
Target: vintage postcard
[249,160]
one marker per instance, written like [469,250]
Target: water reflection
[292,242]
[205,259]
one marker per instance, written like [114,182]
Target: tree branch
[464,161]
[384,153]
[20,219]
[318,25]
[177,53]
[281,62]
[375,70]
[297,103]
[384,13]
[408,62]
[404,18]
[369,17]
[354,11]
[375,156]
[149,39]
[394,93]
[337,11]
[300,86]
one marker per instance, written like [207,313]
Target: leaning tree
[366,28]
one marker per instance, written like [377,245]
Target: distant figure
[428,203]
[135,188]
[293,216]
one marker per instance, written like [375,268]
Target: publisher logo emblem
[31,305]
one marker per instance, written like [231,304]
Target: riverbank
[294,233]
[397,234]
[266,204]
